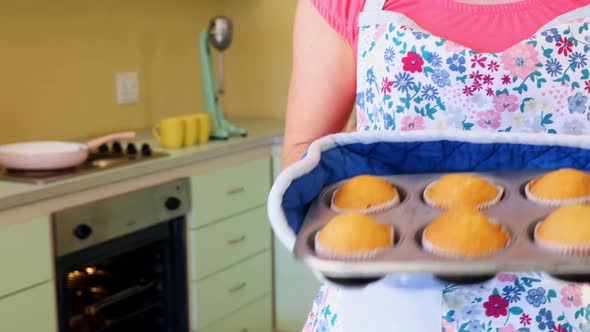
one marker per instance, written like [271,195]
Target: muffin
[462,189]
[464,232]
[353,236]
[565,231]
[365,194]
[562,187]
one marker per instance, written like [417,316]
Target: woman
[451,65]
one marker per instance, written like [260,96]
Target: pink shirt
[484,28]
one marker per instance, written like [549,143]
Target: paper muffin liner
[559,248]
[327,253]
[431,248]
[480,206]
[553,202]
[372,210]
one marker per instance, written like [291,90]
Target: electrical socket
[127,85]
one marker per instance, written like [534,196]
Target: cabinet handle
[237,240]
[238,287]
[235,190]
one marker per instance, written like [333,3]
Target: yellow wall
[58,62]
[259,60]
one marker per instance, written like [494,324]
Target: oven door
[136,282]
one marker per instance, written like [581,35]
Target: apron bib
[409,79]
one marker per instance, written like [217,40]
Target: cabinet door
[32,310]
[223,293]
[292,304]
[229,191]
[254,317]
[25,254]
[228,242]
[295,289]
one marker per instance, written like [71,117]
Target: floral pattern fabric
[517,302]
[323,316]
[411,80]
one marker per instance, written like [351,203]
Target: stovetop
[108,156]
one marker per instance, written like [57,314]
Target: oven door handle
[96,307]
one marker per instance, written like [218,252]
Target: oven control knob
[82,231]
[172,203]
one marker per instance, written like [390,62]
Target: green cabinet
[230,251]
[30,310]
[254,317]
[229,191]
[219,295]
[27,291]
[25,255]
[295,286]
[295,290]
[229,242]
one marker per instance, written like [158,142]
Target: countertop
[261,132]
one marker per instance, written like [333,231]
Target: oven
[121,262]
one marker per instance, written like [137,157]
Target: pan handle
[95,143]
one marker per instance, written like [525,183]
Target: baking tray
[412,215]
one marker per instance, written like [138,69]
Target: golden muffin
[561,187]
[462,189]
[353,236]
[365,194]
[566,230]
[464,231]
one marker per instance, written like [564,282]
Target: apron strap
[374,5]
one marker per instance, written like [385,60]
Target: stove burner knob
[172,203]
[103,148]
[117,148]
[131,149]
[146,150]
[82,231]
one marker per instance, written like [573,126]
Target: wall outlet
[127,85]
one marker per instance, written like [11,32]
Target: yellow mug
[170,132]
[204,127]
[191,129]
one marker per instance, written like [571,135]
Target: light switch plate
[127,85]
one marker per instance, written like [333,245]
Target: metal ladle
[220,37]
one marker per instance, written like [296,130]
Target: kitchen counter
[261,133]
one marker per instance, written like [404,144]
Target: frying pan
[52,155]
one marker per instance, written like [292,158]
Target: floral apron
[409,79]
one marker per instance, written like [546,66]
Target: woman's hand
[323,83]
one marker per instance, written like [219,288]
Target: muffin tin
[518,214]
